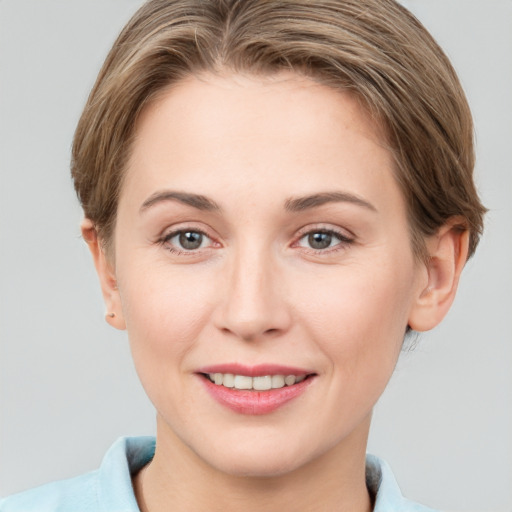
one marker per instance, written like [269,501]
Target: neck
[334,481]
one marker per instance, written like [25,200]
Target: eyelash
[343,241]
[166,241]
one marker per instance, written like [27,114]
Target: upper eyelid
[173,232]
[342,238]
[181,227]
[325,228]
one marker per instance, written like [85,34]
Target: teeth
[243,382]
[277,381]
[262,383]
[289,380]
[228,380]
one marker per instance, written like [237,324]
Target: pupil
[319,240]
[191,240]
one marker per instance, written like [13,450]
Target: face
[262,242]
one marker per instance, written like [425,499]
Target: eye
[187,240]
[320,240]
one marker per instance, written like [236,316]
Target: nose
[253,304]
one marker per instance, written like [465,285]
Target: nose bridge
[253,304]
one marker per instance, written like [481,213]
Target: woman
[275,193]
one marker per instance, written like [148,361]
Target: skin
[257,292]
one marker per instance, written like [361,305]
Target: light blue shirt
[109,489]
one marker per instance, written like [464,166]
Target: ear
[106,274]
[448,251]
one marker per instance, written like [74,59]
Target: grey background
[67,385]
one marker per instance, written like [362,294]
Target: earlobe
[448,251]
[106,274]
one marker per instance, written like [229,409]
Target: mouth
[255,390]
[259,383]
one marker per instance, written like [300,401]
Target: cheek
[164,312]
[358,316]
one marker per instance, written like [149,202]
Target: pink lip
[254,371]
[255,402]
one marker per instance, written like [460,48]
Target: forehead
[243,99]
[250,132]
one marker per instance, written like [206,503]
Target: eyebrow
[195,200]
[304,203]
[298,204]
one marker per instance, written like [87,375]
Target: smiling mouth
[260,383]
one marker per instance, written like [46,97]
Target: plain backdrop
[67,385]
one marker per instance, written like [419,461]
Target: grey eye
[186,240]
[190,240]
[320,240]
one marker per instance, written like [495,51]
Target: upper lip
[255,370]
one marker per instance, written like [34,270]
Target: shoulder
[79,493]
[107,489]
[387,495]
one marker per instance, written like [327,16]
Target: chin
[258,467]
[260,459]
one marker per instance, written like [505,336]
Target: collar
[129,454]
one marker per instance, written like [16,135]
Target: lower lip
[255,402]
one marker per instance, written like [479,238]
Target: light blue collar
[128,455]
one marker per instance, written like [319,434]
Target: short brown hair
[375,49]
